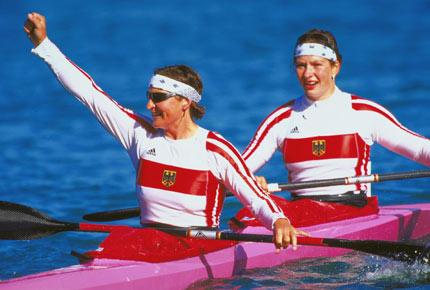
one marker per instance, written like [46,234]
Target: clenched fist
[35,27]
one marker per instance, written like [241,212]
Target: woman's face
[316,75]
[166,114]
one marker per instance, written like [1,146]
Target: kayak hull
[401,222]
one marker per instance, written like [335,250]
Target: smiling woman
[174,114]
[317,60]
[327,133]
[181,167]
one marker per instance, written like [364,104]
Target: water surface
[56,158]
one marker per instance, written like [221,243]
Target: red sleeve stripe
[361,104]
[221,142]
[216,138]
[128,112]
[274,118]
[222,147]
[212,147]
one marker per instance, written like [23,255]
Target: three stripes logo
[151,152]
[295,130]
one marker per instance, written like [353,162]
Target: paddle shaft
[349,180]
[390,249]
[394,250]
[126,213]
[113,215]
[19,222]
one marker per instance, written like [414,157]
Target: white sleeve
[266,139]
[119,121]
[388,132]
[228,166]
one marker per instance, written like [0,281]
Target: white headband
[315,49]
[174,86]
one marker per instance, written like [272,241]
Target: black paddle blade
[19,222]
[113,215]
[406,252]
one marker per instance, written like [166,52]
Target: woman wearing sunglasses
[181,167]
[324,134]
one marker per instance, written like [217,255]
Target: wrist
[37,40]
[282,221]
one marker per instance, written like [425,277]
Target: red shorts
[307,212]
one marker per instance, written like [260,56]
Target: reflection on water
[352,271]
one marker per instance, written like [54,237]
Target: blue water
[56,158]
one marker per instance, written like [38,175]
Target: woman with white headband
[327,133]
[181,167]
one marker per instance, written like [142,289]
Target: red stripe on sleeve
[367,107]
[128,112]
[255,142]
[233,150]
[245,176]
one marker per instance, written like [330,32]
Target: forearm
[411,146]
[112,116]
[229,167]
[401,140]
[259,151]
[70,76]
[264,208]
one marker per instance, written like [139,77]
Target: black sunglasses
[159,97]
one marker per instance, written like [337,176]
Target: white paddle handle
[273,187]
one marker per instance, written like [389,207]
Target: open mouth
[310,85]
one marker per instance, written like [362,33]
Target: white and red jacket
[178,182]
[331,139]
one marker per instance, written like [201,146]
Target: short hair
[186,75]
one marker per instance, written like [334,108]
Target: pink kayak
[393,223]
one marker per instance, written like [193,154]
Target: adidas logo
[151,152]
[295,130]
